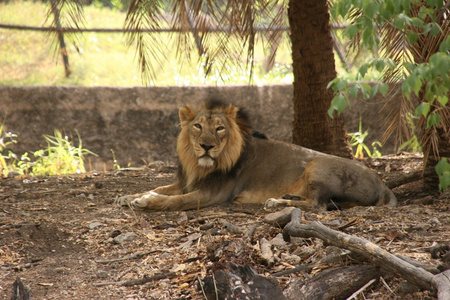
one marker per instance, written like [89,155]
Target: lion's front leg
[140,200]
[155,201]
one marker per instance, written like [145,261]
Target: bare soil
[58,235]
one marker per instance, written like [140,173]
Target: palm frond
[222,31]
[396,45]
[64,14]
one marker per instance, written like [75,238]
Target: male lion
[222,160]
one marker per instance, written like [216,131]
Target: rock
[280,218]
[434,222]
[94,225]
[102,274]
[290,258]
[304,252]
[278,241]
[125,237]
[182,218]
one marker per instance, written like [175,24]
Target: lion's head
[212,138]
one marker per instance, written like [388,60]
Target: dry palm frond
[222,31]
[65,14]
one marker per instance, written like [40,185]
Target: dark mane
[242,118]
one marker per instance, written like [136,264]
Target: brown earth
[50,238]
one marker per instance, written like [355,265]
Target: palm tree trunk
[314,68]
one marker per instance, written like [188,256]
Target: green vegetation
[410,43]
[6,139]
[357,140]
[60,157]
[443,171]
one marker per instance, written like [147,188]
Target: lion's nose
[206,146]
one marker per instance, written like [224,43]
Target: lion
[223,160]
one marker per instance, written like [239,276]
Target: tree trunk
[314,68]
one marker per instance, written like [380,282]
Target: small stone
[434,222]
[278,241]
[95,225]
[290,258]
[182,218]
[91,197]
[304,252]
[207,226]
[102,274]
[125,237]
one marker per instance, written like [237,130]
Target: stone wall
[141,124]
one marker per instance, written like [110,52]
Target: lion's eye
[198,126]
[220,128]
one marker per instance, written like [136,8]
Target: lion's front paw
[125,200]
[146,200]
[272,203]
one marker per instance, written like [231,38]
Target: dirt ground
[59,234]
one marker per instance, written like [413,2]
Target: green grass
[28,57]
[60,156]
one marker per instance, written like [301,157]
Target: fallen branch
[369,250]
[404,179]
[218,215]
[137,281]
[136,255]
[266,252]
[336,283]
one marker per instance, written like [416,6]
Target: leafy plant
[6,139]
[357,140]
[60,156]
[116,164]
[413,144]
[410,42]
[443,171]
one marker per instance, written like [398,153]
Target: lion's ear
[231,111]
[186,113]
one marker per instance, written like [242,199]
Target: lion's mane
[192,176]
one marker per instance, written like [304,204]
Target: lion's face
[208,135]
[211,139]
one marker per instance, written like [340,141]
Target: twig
[148,279]
[136,255]
[387,286]
[137,281]
[201,286]
[355,294]
[215,287]
[348,224]
[218,215]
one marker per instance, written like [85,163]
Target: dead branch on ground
[367,249]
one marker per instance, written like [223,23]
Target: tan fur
[221,162]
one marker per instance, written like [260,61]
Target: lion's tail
[389,198]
